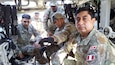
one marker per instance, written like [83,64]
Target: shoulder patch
[91,57]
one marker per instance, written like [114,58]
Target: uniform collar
[24,29]
[87,39]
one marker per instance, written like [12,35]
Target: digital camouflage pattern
[24,37]
[96,49]
[62,34]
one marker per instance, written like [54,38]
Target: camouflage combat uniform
[62,34]
[24,36]
[38,25]
[49,26]
[96,49]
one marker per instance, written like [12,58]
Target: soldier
[64,29]
[38,24]
[61,34]
[48,24]
[90,47]
[25,32]
[36,17]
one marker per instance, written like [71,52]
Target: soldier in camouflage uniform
[64,29]
[25,32]
[38,24]
[48,24]
[90,47]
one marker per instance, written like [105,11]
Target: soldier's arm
[45,20]
[18,50]
[59,56]
[63,35]
[102,50]
[106,53]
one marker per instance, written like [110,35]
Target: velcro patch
[90,57]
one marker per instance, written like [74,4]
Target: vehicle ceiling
[79,2]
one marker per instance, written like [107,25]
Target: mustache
[81,25]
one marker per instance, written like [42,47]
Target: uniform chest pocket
[83,48]
[25,35]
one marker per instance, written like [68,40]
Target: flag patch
[90,57]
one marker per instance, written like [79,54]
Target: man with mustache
[90,47]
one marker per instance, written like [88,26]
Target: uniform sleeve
[107,53]
[102,49]
[18,51]
[63,35]
[45,19]
[60,55]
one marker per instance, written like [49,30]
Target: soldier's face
[25,22]
[84,23]
[36,16]
[59,23]
[54,8]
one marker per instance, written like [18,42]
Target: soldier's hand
[37,45]
[50,34]
[21,55]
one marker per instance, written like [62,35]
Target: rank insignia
[92,47]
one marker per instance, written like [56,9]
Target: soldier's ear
[93,20]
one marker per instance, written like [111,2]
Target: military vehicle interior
[105,10]
[11,13]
